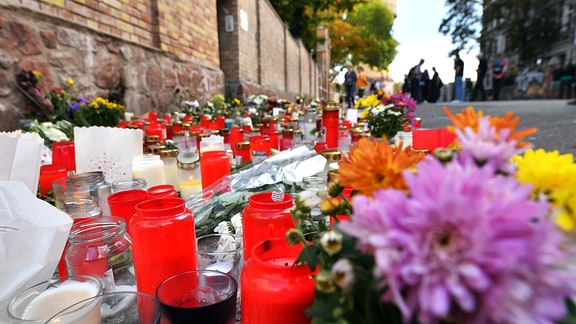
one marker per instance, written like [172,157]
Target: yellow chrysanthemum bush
[98,112]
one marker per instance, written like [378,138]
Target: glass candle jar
[273,135]
[287,139]
[168,156]
[163,240]
[100,247]
[190,180]
[63,153]
[149,167]
[242,153]
[266,216]
[259,148]
[78,207]
[214,165]
[123,203]
[330,121]
[276,291]
[49,173]
[90,184]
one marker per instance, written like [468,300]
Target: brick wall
[158,50]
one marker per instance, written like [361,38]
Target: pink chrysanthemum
[487,145]
[466,243]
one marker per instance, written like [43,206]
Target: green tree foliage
[303,16]
[373,43]
[530,26]
[462,23]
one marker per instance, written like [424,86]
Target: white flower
[309,198]
[194,103]
[223,228]
[53,133]
[226,243]
[331,242]
[343,274]
[236,221]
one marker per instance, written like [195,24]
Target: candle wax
[189,188]
[52,300]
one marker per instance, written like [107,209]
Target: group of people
[563,77]
[356,84]
[498,67]
[420,86]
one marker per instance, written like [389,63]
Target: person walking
[458,75]
[481,75]
[350,79]
[415,75]
[499,68]
[361,81]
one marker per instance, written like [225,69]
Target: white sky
[416,30]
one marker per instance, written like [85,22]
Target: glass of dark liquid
[199,296]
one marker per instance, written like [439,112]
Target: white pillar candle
[189,188]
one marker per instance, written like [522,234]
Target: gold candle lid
[155,149]
[243,145]
[152,139]
[331,105]
[169,153]
[331,155]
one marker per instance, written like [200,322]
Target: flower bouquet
[389,115]
[467,235]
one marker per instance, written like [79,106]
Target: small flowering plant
[467,235]
[389,115]
[98,112]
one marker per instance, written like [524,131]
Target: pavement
[555,119]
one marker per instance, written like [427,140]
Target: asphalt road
[554,119]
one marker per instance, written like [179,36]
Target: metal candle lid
[331,105]
[187,159]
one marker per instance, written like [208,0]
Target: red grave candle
[273,289]
[330,121]
[49,173]
[214,165]
[266,216]
[163,241]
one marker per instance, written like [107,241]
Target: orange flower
[373,165]
[469,118]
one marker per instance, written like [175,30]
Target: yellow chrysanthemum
[69,82]
[373,165]
[546,171]
[469,118]
[565,202]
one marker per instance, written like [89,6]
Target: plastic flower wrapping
[481,232]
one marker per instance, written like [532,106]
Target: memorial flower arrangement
[467,235]
[98,112]
[389,115]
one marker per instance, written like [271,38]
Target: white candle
[189,188]
[151,168]
[51,301]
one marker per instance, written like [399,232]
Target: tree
[364,36]
[529,26]
[461,22]
[303,16]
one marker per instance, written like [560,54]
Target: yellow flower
[373,165]
[69,82]
[324,282]
[565,200]
[546,171]
[330,206]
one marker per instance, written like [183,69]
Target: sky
[416,30]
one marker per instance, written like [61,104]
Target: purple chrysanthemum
[466,242]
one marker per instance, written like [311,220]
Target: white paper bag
[33,234]
[21,158]
[107,149]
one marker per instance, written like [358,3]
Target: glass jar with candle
[164,241]
[49,173]
[278,292]
[242,153]
[267,215]
[214,165]
[149,167]
[169,156]
[79,208]
[287,139]
[259,148]
[189,176]
[101,247]
[90,184]
[331,123]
